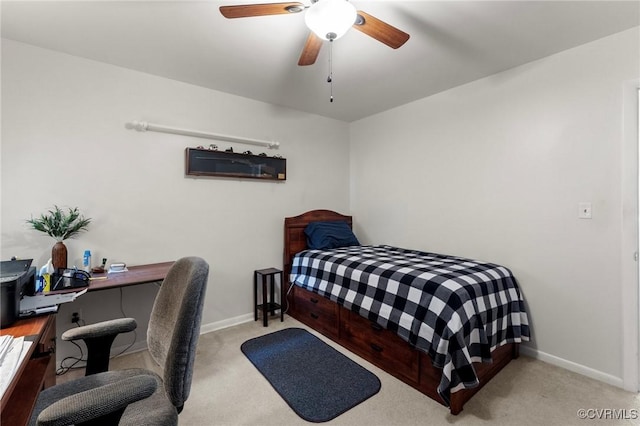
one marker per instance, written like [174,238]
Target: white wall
[64,142]
[495,170]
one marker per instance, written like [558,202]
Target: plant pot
[59,255]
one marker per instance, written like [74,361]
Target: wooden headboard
[294,238]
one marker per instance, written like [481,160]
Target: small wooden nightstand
[267,306]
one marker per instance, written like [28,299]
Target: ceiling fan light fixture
[330,19]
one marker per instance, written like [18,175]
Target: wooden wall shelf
[205,162]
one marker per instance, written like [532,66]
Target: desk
[38,370]
[140,274]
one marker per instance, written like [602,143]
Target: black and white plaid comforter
[456,310]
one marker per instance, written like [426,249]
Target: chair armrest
[101,329]
[102,405]
[98,339]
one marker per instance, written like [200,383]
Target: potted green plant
[60,225]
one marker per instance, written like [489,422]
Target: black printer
[17,278]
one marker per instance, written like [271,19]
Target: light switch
[584,210]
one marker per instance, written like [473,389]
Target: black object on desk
[69,279]
[268,306]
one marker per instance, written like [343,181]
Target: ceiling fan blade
[311,50]
[380,30]
[248,10]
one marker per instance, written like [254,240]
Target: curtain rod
[143,126]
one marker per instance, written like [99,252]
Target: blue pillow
[328,235]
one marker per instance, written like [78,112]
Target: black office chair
[137,396]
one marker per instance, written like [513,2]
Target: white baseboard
[571,366]
[229,322]
[141,344]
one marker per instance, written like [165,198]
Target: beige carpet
[228,390]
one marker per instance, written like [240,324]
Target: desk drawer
[379,346]
[316,311]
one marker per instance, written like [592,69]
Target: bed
[442,324]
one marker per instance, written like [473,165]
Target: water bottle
[86,261]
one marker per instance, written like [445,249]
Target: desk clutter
[117,267]
[25,295]
[28,291]
[12,351]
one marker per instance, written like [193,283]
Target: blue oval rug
[318,382]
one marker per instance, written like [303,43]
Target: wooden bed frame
[367,339]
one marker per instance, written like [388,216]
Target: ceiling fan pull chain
[330,78]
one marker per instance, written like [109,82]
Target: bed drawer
[316,311]
[379,346]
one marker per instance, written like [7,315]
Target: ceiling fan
[327,20]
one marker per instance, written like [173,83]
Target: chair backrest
[174,326]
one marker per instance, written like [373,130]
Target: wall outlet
[76,317]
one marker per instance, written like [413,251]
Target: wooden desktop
[140,274]
[38,370]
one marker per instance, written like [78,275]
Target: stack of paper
[14,350]
[5,344]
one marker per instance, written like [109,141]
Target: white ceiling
[452,43]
